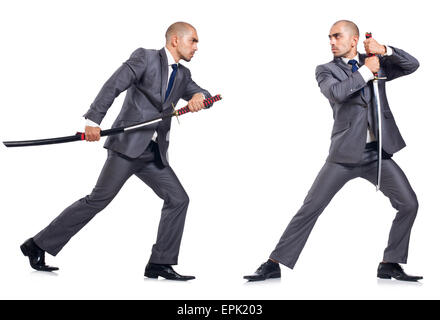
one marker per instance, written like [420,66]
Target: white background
[246,164]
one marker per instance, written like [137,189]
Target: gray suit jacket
[350,104]
[144,75]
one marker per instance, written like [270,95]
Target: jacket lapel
[366,94]
[345,67]
[361,59]
[164,73]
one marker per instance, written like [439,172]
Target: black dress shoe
[36,256]
[268,270]
[154,271]
[394,270]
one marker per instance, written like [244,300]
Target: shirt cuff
[389,51]
[90,123]
[366,73]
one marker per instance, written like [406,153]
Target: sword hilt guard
[175,113]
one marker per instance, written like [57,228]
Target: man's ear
[174,39]
[355,40]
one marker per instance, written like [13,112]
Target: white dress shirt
[367,75]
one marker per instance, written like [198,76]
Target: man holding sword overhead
[361,119]
[155,81]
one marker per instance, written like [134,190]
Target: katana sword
[207,103]
[368,35]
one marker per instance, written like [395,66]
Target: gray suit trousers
[329,181]
[117,169]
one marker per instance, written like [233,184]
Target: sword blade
[138,126]
[379,125]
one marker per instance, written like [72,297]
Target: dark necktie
[170,83]
[354,66]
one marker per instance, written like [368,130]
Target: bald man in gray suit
[154,80]
[346,83]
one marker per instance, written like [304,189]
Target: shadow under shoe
[268,270]
[154,271]
[36,256]
[394,270]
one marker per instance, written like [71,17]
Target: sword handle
[207,103]
[368,35]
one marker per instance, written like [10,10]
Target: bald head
[182,41]
[178,29]
[344,37]
[349,26]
